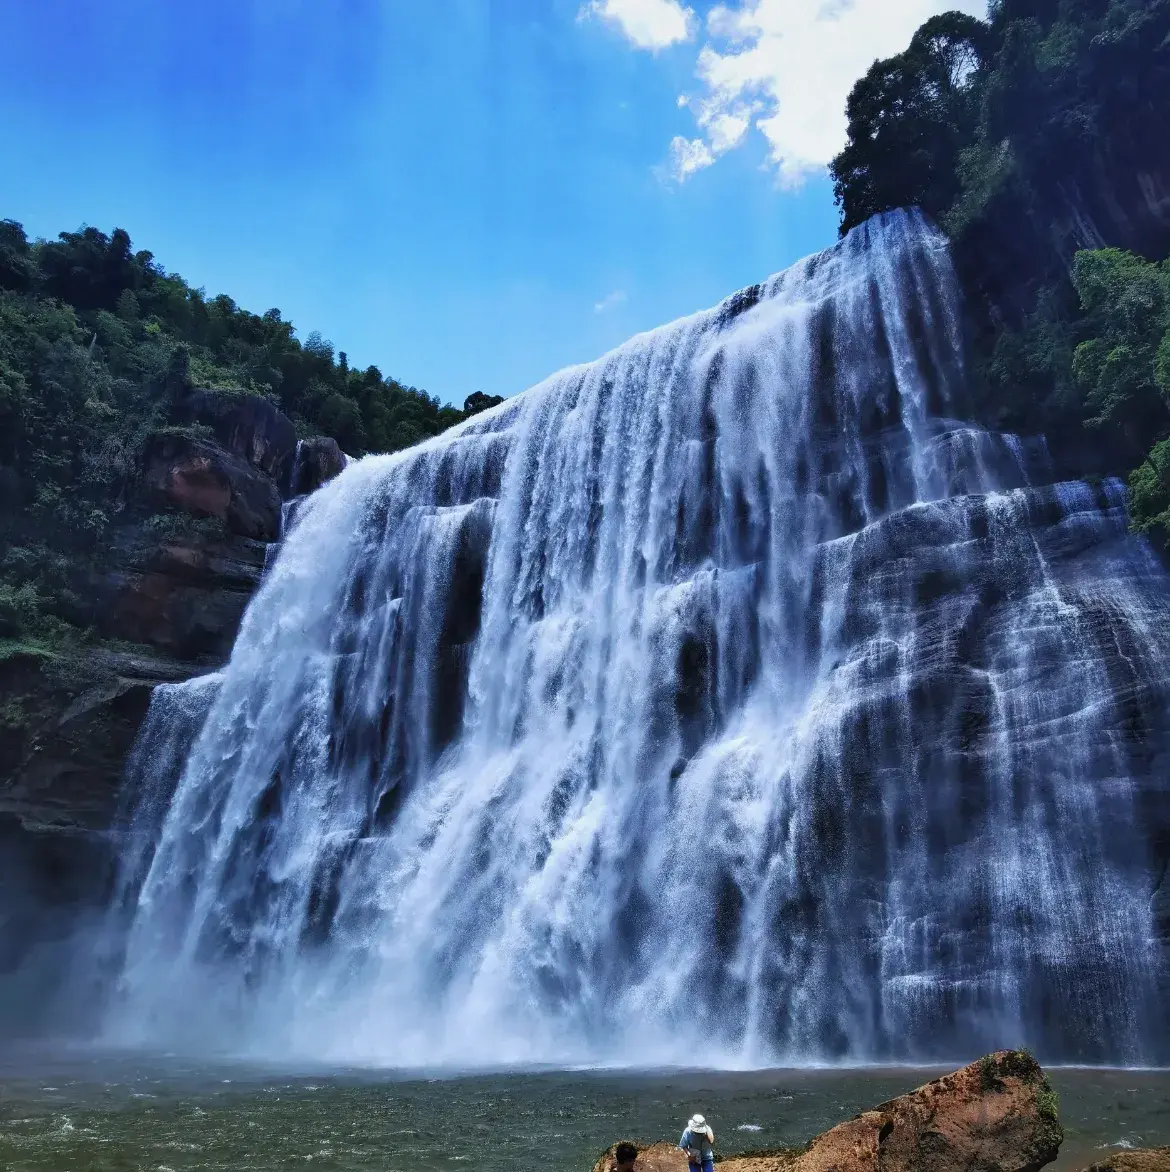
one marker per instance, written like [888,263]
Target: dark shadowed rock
[996,1115]
[247,426]
[1160,907]
[66,728]
[318,460]
[184,595]
[205,480]
[67,723]
[51,882]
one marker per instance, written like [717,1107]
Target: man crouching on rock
[698,1142]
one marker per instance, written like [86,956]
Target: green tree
[478,401]
[16,264]
[909,118]
[1123,366]
[1149,492]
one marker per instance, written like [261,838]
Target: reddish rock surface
[205,480]
[996,1115]
[185,596]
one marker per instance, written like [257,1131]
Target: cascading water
[722,701]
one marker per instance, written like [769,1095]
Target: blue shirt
[696,1143]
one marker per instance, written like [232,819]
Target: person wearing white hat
[698,1142]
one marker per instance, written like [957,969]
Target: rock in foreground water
[1135,1160]
[996,1115]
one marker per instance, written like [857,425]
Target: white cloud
[688,155]
[648,24]
[786,67]
[612,301]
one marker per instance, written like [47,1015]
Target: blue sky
[468,193]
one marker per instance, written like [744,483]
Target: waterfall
[723,701]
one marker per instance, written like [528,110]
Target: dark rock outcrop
[67,724]
[66,727]
[183,595]
[68,721]
[205,480]
[245,425]
[180,563]
[318,460]
[1160,906]
[996,1115]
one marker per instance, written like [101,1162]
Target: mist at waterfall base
[725,702]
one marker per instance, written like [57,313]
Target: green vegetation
[1123,367]
[1031,138]
[1048,1102]
[96,340]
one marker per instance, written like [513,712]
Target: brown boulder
[1135,1160]
[203,479]
[996,1115]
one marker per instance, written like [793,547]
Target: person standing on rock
[698,1142]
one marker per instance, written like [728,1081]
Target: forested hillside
[1038,140]
[98,345]
[149,439]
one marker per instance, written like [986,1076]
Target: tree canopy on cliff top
[1029,138]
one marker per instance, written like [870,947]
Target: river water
[97,1113]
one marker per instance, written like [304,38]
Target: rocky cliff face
[167,601]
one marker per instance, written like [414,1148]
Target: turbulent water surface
[722,702]
[111,1115]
